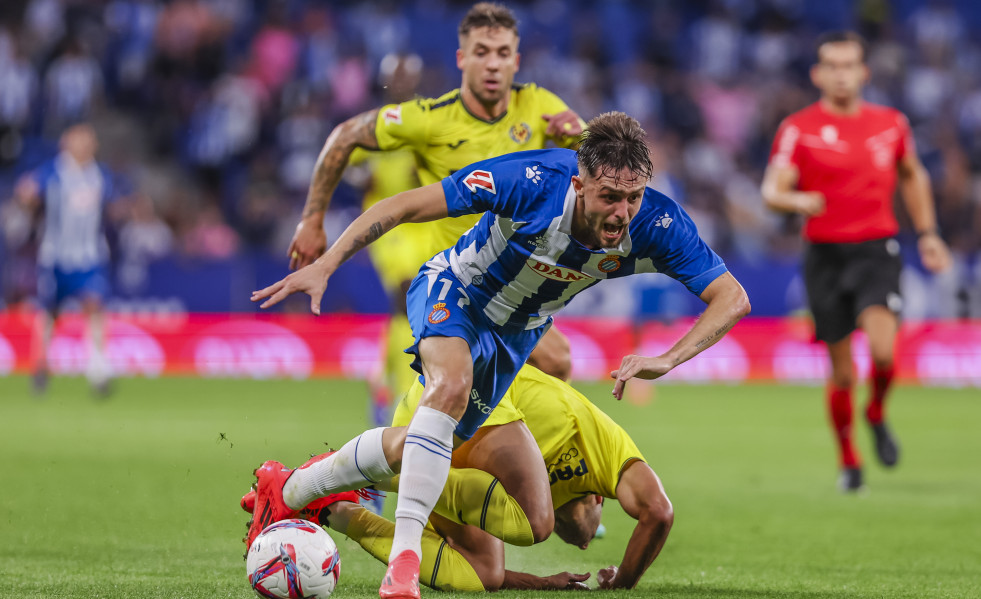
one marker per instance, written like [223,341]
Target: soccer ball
[293,559]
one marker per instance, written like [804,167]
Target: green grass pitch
[137,496]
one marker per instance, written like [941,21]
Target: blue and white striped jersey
[74,199]
[520,263]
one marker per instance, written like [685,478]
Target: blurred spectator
[20,237]
[209,236]
[275,51]
[72,86]
[18,89]
[142,239]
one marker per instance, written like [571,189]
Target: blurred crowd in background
[211,113]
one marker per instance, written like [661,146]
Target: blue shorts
[55,285]
[497,354]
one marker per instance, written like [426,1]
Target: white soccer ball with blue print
[293,559]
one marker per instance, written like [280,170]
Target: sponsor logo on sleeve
[532,172]
[480,180]
[439,313]
[393,115]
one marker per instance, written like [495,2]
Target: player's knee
[491,577]
[843,380]
[393,443]
[448,393]
[883,360]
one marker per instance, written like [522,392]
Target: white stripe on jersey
[435,265]
[528,282]
[644,265]
[549,308]
[472,262]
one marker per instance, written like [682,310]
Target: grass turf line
[138,496]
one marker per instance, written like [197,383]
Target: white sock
[425,466]
[359,463]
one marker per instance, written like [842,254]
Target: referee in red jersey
[837,162]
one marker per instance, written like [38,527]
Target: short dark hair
[488,14]
[614,141]
[837,37]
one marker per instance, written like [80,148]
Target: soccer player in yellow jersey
[588,456]
[487,116]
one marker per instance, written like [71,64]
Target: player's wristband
[922,234]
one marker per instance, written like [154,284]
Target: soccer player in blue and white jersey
[557,221]
[72,189]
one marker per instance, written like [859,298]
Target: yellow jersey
[445,137]
[397,255]
[584,449]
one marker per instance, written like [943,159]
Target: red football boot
[311,512]
[268,506]
[402,578]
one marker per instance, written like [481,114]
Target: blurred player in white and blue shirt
[72,190]
[555,223]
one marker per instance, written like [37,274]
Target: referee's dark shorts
[842,279]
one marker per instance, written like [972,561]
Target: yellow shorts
[504,413]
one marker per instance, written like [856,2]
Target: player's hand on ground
[640,367]
[934,253]
[605,577]
[563,124]
[567,581]
[810,203]
[309,242]
[311,280]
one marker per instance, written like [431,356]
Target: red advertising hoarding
[946,353]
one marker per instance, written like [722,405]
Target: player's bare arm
[780,192]
[642,496]
[563,581]
[416,205]
[914,186]
[309,240]
[726,301]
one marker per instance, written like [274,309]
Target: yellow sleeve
[400,125]
[550,103]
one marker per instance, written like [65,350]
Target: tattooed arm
[727,303]
[309,240]
[413,206]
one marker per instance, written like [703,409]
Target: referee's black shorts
[842,279]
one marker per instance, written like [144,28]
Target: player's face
[576,522]
[605,205]
[840,72]
[489,59]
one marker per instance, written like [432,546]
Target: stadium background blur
[212,113]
